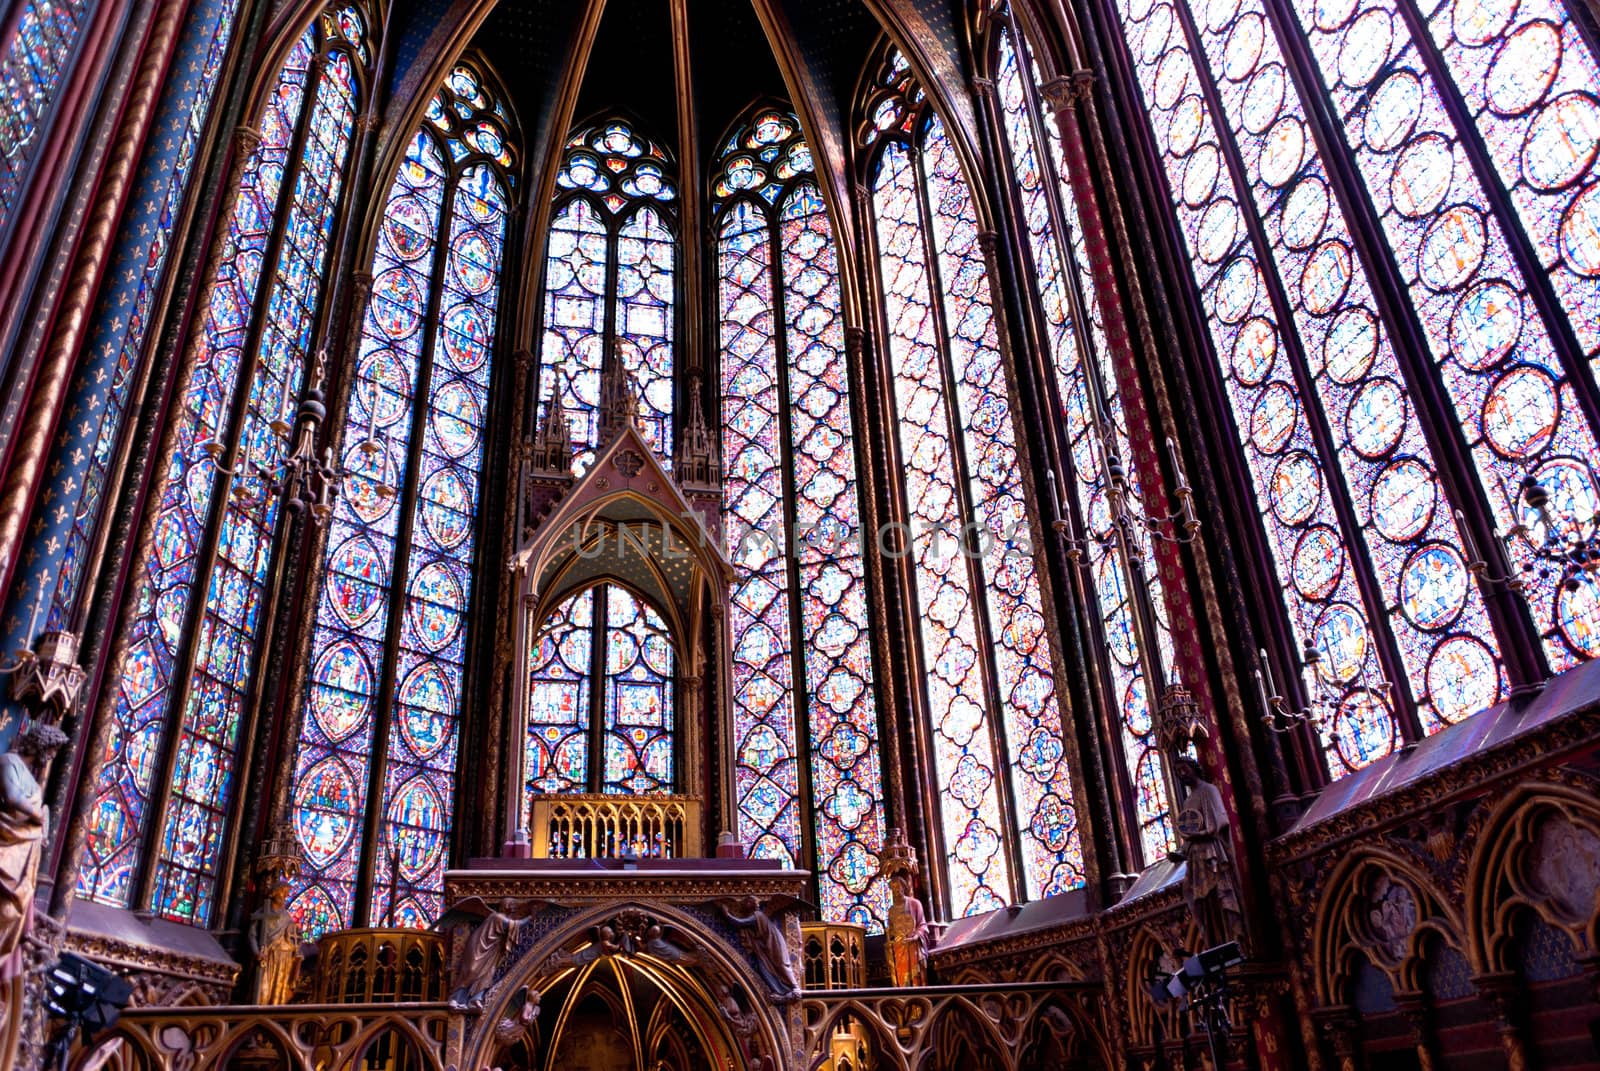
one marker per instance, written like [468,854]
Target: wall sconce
[305,480]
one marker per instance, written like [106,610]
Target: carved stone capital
[245,139]
[1062,92]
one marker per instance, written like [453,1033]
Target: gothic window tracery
[200,588]
[995,718]
[33,65]
[610,291]
[1395,249]
[605,650]
[369,800]
[1091,409]
[802,665]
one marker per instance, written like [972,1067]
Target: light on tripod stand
[1201,984]
[86,997]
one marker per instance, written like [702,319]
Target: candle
[1266,673]
[1055,497]
[1467,542]
[1177,466]
[38,605]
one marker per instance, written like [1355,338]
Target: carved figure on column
[908,935]
[763,939]
[1210,881]
[24,824]
[486,948]
[273,943]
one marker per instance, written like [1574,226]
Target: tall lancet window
[603,651]
[1391,214]
[162,805]
[996,726]
[373,789]
[802,663]
[33,65]
[1091,408]
[609,287]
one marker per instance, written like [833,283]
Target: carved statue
[520,1016]
[763,938]
[491,940]
[1210,883]
[909,937]
[24,824]
[273,943]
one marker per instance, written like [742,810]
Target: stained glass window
[602,649]
[1096,429]
[1473,144]
[792,525]
[32,67]
[214,532]
[83,456]
[990,688]
[610,283]
[397,580]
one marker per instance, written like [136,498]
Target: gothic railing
[835,955]
[293,1037]
[616,827]
[379,966]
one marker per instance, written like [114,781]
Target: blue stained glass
[213,698]
[614,194]
[768,152]
[353,608]
[1037,158]
[638,728]
[419,774]
[1384,467]
[33,66]
[559,675]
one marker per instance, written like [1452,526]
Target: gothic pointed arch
[371,796]
[1008,826]
[163,802]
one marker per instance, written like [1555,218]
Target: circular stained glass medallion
[1433,586]
[1485,325]
[1341,636]
[409,223]
[1562,141]
[1403,499]
[1521,412]
[343,690]
[1296,488]
[1578,615]
[1200,175]
[396,306]
[1523,68]
[1462,678]
[1478,22]
[1318,562]
[427,702]
[1242,51]
[456,417]
[447,506]
[1283,151]
[1422,176]
[1305,211]
[1171,78]
[1363,729]
[1236,290]
[466,336]
[434,605]
[473,258]
[1580,233]
[324,805]
[1218,228]
[1350,345]
[1254,352]
[1452,248]
[1188,121]
[1392,112]
[1376,419]
[1365,47]
[1274,417]
[1326,277]
[1263,98]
